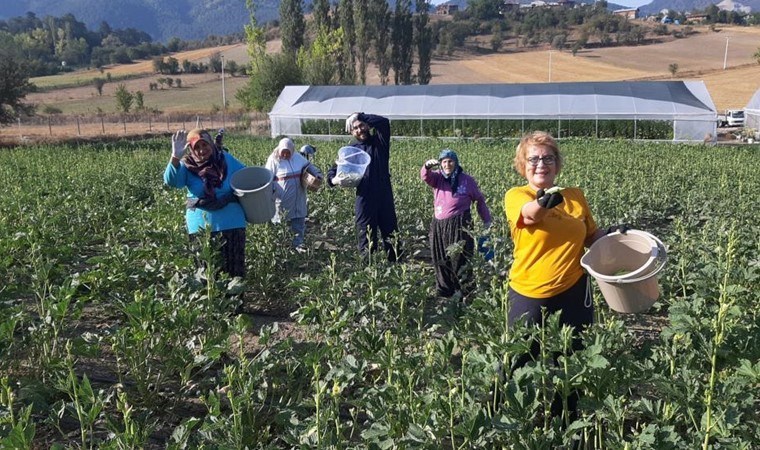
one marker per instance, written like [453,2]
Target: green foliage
[215,62]
[292,26]
[139,100]
[380,14]
[99,83]
[369,357]
[268,76]
[51,110]
[15,82]
[402,38]
[484,10]
[317,62]
[124,98]
[424,40]
[673,69]
[477,128]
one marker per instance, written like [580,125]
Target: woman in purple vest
[453,194]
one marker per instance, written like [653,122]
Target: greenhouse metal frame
[684,105]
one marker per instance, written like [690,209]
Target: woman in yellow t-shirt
[550,228]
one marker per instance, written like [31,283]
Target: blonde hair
[535,139]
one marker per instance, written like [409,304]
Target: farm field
[699,57]
[110,339]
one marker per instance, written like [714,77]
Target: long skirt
[452,247]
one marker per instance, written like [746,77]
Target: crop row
[109,338]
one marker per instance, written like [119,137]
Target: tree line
[52,45]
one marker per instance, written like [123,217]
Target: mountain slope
[186,19]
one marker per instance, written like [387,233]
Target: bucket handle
[660,255]
[662,259]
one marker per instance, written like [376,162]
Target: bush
[268,77]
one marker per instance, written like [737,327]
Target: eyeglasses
[548,160]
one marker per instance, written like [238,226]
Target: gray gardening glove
[179,141]
[350,122]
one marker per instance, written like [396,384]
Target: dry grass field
[699,57]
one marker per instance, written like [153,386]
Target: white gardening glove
[179,141]
[430,163]
[350,122]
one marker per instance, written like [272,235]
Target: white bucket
[253,187]
[352,163]
[625,266]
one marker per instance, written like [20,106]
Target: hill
[186,19]
[197,19]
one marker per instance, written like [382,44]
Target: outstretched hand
[548,201]
[179,141]
[430,163]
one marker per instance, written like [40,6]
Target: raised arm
[429,175]
[381,124]
[175,175]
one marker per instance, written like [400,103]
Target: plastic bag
[351,164]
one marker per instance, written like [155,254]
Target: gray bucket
[253,187]
[625,266]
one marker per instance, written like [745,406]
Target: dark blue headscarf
[454,176]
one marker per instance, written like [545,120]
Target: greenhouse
[752,112]
[661,110]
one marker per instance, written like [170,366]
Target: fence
[55,127]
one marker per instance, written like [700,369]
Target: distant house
[628,13]
[566,3]
[696,18]
[446,9]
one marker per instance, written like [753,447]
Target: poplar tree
[347,63]
[292,26]
[320,15]
[254,34]
[402,39]
[380,17]
[424,40]
[362,32]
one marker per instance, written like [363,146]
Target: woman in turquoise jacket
[205,171]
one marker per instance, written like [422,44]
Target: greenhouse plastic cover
[687,103]
[752,112]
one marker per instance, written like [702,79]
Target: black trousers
[576,309]
[231,247]
[452,272]
[373,215]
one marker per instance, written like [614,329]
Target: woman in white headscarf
[290,196]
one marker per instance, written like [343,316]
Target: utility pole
[725,55]
[550,66]
[224,93]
